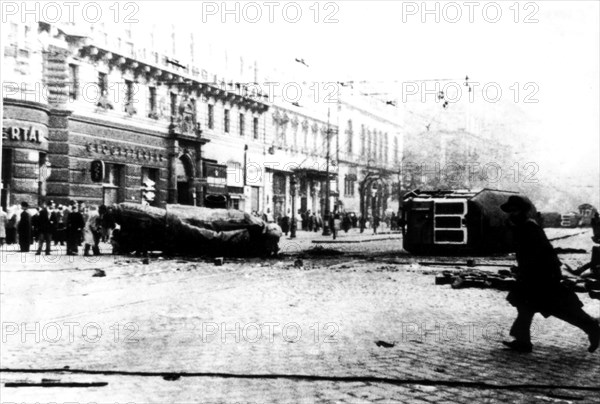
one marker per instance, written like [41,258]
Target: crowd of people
[74,224]
[338,221]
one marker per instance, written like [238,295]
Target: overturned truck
[457,222]
[191,230]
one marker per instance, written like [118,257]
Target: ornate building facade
[77,95]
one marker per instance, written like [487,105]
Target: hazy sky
[386,42]
[551,49]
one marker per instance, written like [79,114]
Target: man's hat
[516,203]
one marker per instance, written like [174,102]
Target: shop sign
[16,133]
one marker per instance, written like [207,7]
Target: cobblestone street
[344,328]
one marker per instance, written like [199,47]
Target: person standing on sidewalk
[11,225]
[75,225]
[92,232]
[376,221]
[61,218]
[45,228]
[24,228]
[538,288]
[335,224]
[3,222]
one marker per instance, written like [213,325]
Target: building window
[242,124]
[103,83]
[349,185]
[173,104]
[385,148]
[350,136]
[363,140]
[211,116]
[129,100]
[112,184]
[226,121]
[152,103]
[73,82]
[255,127]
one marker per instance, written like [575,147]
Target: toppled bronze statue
[192,230]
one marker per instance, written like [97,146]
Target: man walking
[538,288]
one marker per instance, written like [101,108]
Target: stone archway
[184,171]
[373,193]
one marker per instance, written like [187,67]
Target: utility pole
[293,218]
[326,229]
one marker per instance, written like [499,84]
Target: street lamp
[293,218]
[326,229]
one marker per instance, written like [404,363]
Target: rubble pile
[504,279]
[473,278]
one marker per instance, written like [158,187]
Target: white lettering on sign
[33,134]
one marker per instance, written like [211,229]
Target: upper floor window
[349,185]
[152,100]
[350,134]
[129,100]
[211,116]
[255,127]
[363,140]
[226,121]
[173,104]
[242,124]
[103,83]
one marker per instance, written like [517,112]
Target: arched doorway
[373,193]
[184,169]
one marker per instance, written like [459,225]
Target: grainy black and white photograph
[247,202]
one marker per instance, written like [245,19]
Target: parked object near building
[193,230]
[457,222]
[583,217]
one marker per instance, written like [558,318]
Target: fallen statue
[192,230]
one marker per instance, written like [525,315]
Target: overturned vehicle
[457,222]
[191,230]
